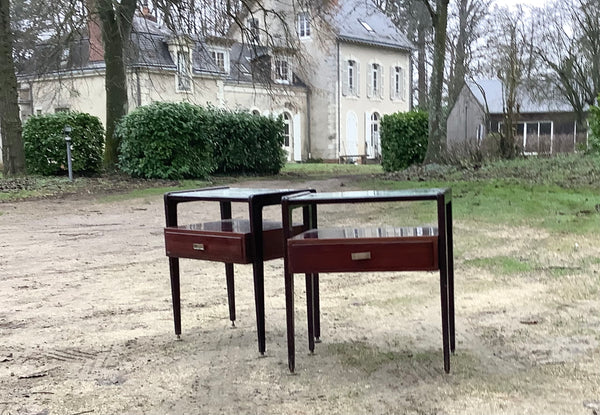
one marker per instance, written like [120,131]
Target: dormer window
[283,73]
[220,58]
[303,25]
[180,49]
[184,78]
[253,30]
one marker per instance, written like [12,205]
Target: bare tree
[511,41]
[569,46]
[465,28]
[413,18]
[13,156]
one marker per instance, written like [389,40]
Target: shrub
[594,137]
[45,147]
[403,139]
[247,143]
[167,141]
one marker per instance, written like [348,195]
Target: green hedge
[181,140]
[45,146]
[247,143]
[403,139]
[166,141]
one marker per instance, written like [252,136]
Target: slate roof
[528,103]
[352,20]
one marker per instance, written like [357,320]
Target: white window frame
[282,70]
[375,87]
[397,85]
[304,29]
[253,27]
[215,54]
[184,71]
[351,78]
[287,129]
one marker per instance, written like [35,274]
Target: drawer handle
[360,256]
[198,247]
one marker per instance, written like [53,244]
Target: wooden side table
[367,249]
[228,240]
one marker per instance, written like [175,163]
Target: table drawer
[225,241]
[369,254]
[223,247]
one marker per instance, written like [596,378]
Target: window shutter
[381,82]
[345,88]
[370,82]
[392,83]
[367,139]
[357,79]
[401,80]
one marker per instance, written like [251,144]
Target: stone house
[332,79]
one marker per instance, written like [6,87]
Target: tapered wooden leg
[445,319]
[310,312]
[175,294]
[259,302]
[450,249]
[289,315]
[230,292]
[317,308]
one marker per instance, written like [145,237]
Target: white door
[287,135]
[296,138]
[373,137]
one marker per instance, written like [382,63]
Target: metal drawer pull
[359,256]
[198,247]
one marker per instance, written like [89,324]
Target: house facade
[543,126]
[331,79]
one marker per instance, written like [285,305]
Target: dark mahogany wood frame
[306,247]
[253,243]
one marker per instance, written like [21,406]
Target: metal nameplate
[359,256]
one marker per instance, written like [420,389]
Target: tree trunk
[422,67]
[457,78]
[436,147]
[13,155]
[116,22]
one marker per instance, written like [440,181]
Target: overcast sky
[524,2]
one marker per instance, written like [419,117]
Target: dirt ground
[86,323]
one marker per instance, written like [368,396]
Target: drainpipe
[138,87]
[308,129]
[466,122]
[339,100]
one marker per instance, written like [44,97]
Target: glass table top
[366,195]
[368,232]
[227,193]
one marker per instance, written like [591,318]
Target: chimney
[146,14]
[95,34]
